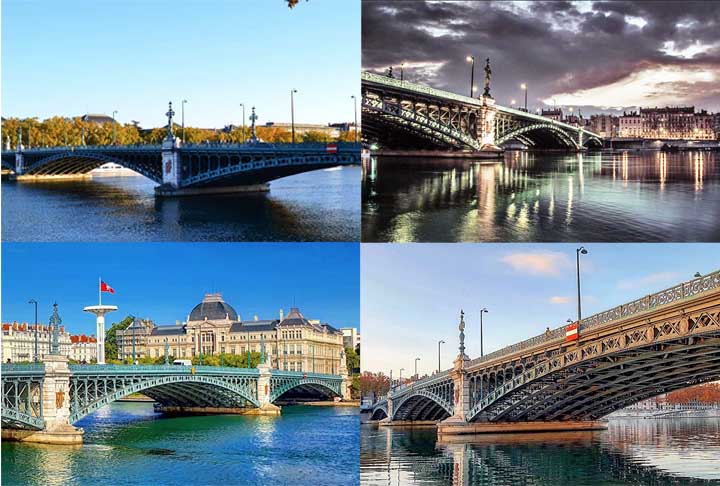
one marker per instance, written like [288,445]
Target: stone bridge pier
[55,396]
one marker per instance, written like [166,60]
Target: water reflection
[322,205]
[628,196]
[634,451]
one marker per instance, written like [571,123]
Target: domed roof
[213,307]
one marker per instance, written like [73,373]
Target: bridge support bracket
[453,427]
[167,190]
[58,435]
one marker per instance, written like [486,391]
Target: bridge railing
[272,147]
[302,374]
[160,369]
[652,301]
[22,368]
[399,390]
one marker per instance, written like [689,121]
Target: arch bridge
[405,115]
[53,395]
[653,345]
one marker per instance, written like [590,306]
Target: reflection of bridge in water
[653,345]
[533,197]
[185,169]
[40,402]
[625,453]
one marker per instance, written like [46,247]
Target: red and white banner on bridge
[571,332]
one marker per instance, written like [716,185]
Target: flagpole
[99,290]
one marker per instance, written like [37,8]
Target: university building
[669,123]
[18,343]
[213,327]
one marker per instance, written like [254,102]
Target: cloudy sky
[598,56]
[411,295]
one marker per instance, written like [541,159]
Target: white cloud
[436,31]
[643,88]
[557,299]
[689,52]
[636,21]
[537,263]
[665,278]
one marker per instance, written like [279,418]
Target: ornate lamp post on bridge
[400,379]
[402,72]
[114,127]
[183,119]
[524,86]
[33,301]
[292,113]
[578,252]
[243,125]
[355,107]
[471,60]
[439,343]
[482,311]
[167,346]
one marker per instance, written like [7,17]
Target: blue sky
[68,58]
[412,293]
[164,281]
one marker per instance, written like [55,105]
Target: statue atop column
[170,113]
[462,333]
[488,72]
[55,322]
[253,117]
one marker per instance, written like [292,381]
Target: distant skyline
[412,294]
[593,56]
[164,281]
[67,59]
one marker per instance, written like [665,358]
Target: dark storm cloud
[556,47]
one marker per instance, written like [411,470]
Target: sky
[595,56]
[69,58]
[164,281]
[412,294]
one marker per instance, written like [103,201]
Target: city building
[351,337]
[669,123]
[83,348]
[18,343]
[554,114]
[332,129]
[213,327]
[605,125]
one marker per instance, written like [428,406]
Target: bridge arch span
[81,162]
[287,387]
[89,395]
[538,134]
[421,404]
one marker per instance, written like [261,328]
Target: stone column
[486,123]
[461,388]
[19,157]
[171,162]
[346,380]
[263,391]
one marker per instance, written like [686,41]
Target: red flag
[106,288]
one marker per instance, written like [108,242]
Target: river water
[129,444]
[631,451]
[629,196]
[322,205]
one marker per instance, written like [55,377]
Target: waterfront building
[669,123]
[213,327]
[605,125]
[333,130]
[18,343]
[83,348]
[351,337]
[554,114]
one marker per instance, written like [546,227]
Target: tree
[352,360]
[375,384]
[111,349]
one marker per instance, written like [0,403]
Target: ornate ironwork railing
[22,368]
[649,302]
[160,369]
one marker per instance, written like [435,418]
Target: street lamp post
[292,113]
[471,60]
[114,128]
[482,311]
[416,373]
[183,119]
[200,340]
[400,379]
[439,343]
[243,132]
[33,301]
[579,251]
[402,72]
[133,342]
[355,107]
[524,86]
